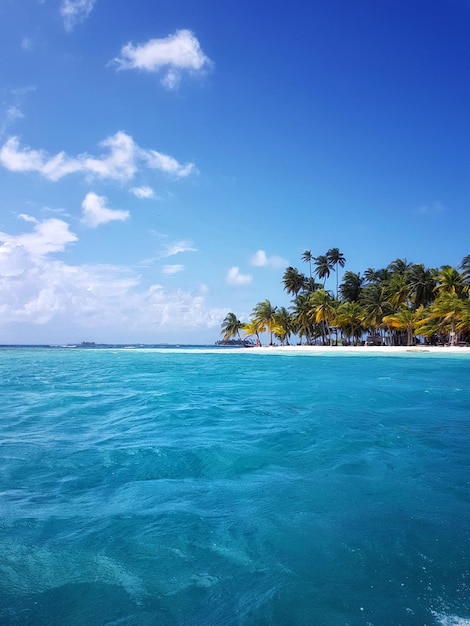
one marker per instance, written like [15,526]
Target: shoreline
[293,350]
[358,350]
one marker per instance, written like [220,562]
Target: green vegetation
[402,304]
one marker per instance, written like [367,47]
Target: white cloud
[96,212]
[261,259]
[173,55]
[171,80]
[28,218]
[172,269]
[178,309]
[143,192]
[121,163]
[75,11]
[52,235]
[235,278]
[39,289]
[178,247]
[158,161]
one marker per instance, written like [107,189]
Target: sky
[163,161]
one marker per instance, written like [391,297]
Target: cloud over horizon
[39,288]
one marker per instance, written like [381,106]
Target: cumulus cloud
[234,277]
[95,211]
[143,192]
[28,218]
[75,11]
[40,289]
[172,269]
[120,163]
[158,161]
[52,235]
[261,259]
[178,247]
[172,56]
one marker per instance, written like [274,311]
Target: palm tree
[323,311]
[462,325]
[253,327]
[308,258]
[231,327]
[335,258]
[293,281]
[398,290]
[449,280]
[405,319]
[465,267]
[310,285]
[448,309]
[351,286]
[398,266]
[263,312]
[322,267]
[349,319]
[374,302]
[372,276]
[282,325]
[422,282]
[300,312]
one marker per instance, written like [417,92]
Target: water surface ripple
[176,487]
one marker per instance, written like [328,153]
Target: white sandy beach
[357,350]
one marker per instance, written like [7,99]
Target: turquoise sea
[207,487]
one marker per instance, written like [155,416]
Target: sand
[357,350]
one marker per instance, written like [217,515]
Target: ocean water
[193,487]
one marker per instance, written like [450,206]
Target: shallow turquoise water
[184,487]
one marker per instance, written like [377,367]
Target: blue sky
[163,162]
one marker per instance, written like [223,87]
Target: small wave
[450,620]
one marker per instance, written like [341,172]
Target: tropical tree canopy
[263,313]
[307,257]
[351,287]
[293,281]
[334,258]
[403,302]
[322,267]
[231,327]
